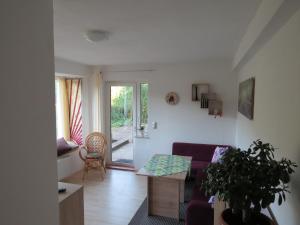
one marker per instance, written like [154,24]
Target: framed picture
[246,98]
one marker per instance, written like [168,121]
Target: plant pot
[228,218]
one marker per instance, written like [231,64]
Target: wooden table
[71,204]
[165,193]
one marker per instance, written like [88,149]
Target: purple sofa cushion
[199,177]
[199,194]
[62,146]
[199,210]
[199,152]
[199,165]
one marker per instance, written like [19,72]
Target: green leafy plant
[249,180]
[121,107]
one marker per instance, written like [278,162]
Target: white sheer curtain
[96,87]
[62,109]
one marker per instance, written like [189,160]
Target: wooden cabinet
[71,211]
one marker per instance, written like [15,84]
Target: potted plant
[248,181]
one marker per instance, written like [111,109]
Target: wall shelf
[208,100]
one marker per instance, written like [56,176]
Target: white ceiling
[150,31]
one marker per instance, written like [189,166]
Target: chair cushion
[93,155]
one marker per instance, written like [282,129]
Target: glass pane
[122,124]
[144,105]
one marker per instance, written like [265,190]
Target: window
[143,108]
[144,87]
[68,109]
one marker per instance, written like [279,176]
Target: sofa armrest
[199,212]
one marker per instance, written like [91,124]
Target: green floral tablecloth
[163,165]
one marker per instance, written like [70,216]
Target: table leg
[163,197]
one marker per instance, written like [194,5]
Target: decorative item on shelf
[246,98]
[204,101]
[215,107]
[212,96]
[208,100]
[259,178]
[199,92]
[172,98]
[194,92]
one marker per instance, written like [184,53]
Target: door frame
[107,117]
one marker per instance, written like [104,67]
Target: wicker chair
[95,147]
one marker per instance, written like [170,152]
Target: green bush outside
[121,106]
[144,104]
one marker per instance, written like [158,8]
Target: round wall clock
[172,98]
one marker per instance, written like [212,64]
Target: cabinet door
[71,209]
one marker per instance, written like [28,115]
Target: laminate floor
[113,200]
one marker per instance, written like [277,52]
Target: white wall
[264,14]
[28,190]
[185,121]
[276,69]
[69,67]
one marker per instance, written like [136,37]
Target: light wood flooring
[113,200]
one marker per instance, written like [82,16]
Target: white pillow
[219,152]
[72,144]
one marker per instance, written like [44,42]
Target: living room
[260,41]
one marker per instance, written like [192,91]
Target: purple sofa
[199,211]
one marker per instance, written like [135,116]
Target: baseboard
[121,167]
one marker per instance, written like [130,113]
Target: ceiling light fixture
[94,36]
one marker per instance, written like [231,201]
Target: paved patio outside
[123,154]
[122,137]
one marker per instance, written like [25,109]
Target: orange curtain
[73,87]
